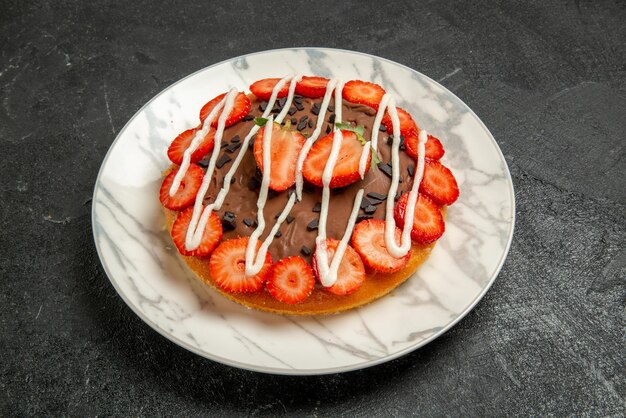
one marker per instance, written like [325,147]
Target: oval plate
[142,264]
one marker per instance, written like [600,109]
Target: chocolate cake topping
[223,160]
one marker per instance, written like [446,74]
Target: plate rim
[319,371]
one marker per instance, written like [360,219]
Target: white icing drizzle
[330,86]
[373,143]
[390,224]
[201,214]
[328,273]
[254,263]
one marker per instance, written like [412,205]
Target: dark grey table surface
[547,78]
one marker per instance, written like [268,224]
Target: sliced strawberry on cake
[263,88]
[407,124]
[428,224]
[439,183]
[363,92]
[285,148]
[346,170]
[228,267]
[312,87]
[291,280]
[368,239]
[186,193]
[240,109]
[210,238]
[433,147]
[351,273]
[180,144]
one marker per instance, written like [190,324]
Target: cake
[294,198]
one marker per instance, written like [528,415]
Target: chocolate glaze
[242,201]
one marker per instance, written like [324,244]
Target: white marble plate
[139,258]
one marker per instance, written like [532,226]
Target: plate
[142,263]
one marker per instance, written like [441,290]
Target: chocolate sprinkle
[225,158]
[331,119]
[294,121]
[411,170]
[311,123]
[248,117]
[315,110]
[305,250]
[370,209]
[292,110]
[377,196]
[317,207]
[247,222]
[251,143]
[263,106]
[233,147]
[228,221]
[298,106]
[382,128]
[235,138]
[203,163]
[312,226]
[365,202]
[363,217]
[224,144]
[278,234]
[303,118]
[301,125]
[328,129]
[290,219]
[281,102]
[297,99]
[331,108]
[385,168]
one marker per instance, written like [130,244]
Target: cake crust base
[320,302]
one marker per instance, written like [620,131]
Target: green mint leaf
[260,121]
[375,155]
[358,130]
[344,126]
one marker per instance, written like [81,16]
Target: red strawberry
[181,143]
[291,280]
[428,223]
[240,109]
[362,92]
[210,238]
[286,146]
[368,239]
[228,267]
[439,183]
[351,273]
[263,88]
[187,190]
[407,124]
[346,169]
[434,149]
[313,87]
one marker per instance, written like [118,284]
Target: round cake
[296,198]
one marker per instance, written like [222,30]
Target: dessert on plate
[307,195]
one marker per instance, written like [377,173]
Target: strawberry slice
[228,267]
[291,280]
[363,92]
[346,169]
[210,238]
[286,146]
[439,183]
[187,191]
[240,109]
[407,124]
[368,239]
[434,149]
[351,273]
[180,144]
[428,223]
[312,87]
[263,88]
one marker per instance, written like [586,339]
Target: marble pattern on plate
[142,264]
